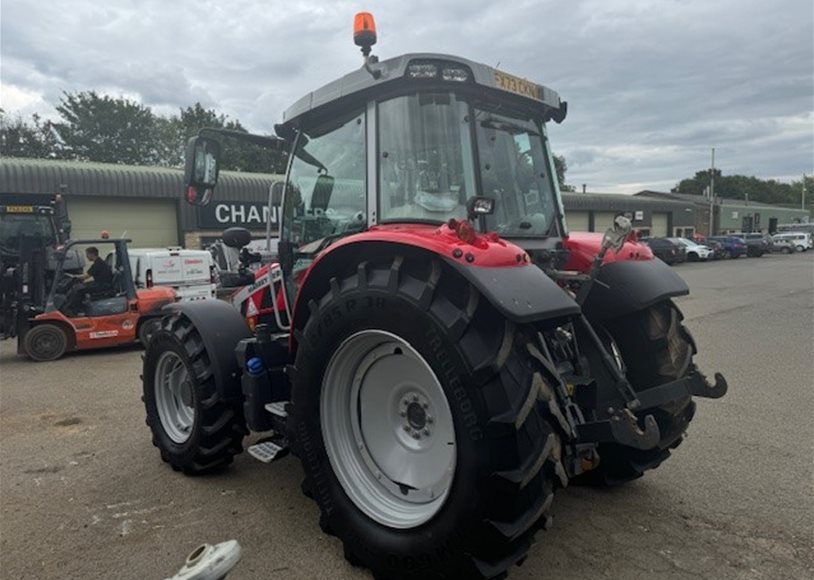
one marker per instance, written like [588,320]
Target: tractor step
[269,450]
[277,408]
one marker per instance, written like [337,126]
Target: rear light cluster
[148,278]
[445,70]
[212,275]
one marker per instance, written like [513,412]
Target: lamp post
[712,195]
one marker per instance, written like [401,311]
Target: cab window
[326,196]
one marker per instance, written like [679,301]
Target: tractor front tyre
[195,430]
[45,342]
[147,328]
[656,348]
[428,436]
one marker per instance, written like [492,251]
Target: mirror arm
[271,141]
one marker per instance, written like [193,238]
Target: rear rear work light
[455,74]
[422,71]
[447,71]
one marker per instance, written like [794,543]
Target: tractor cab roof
[430,71]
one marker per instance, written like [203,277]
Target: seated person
[97,281]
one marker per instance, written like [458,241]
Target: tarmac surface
[83,493]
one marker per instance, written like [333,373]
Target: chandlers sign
[226,214]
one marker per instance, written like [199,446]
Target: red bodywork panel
[584,246]
[88,332]
[456,240]
[487,250]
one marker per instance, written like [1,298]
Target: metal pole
[803,199]
[712,195]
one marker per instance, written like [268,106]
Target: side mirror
[236,237]
[616,235]
[201,169]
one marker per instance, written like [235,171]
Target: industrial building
[141,203]
[732,215]
[594,212]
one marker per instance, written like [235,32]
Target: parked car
[757,244]
[191,273]
[733,247]
[667,251]
[801,241]
[718,250]
[784,245]
[695,252]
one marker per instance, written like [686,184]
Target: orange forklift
[35,294]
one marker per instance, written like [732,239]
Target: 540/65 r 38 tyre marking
[423,336]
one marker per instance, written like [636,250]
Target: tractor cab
[411,142]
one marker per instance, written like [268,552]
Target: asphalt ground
[84,494]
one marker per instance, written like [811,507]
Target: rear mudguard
[518,290]
[221,328]
[625,287]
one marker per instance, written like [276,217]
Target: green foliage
[746,187]
[100,128]
[109,130]
[561,167]
[19,138]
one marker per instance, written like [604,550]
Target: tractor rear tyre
[193,427]
[656,348]
[45,342]
[427,434]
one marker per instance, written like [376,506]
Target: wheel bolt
[407,428]
[416,435]
[426,431]
[403,413]
[415,398]
[425,405]
[430,419]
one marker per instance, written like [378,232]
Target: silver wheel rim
[173,397]
[387,429]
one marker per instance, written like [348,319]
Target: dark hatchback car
[667,251]
[757,244]
[733,247]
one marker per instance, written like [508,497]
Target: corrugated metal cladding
[38,176]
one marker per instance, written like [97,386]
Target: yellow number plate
[19,209]
[517,85]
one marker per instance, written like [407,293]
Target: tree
[19,138]
[175,131]
[109,130]
[561,167]
[742,187]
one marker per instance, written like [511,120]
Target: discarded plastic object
[207,562]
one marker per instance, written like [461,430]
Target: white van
[191,273]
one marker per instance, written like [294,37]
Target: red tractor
[444,353]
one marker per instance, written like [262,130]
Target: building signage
[246,214]
[639,215]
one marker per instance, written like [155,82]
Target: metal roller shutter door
[659,225]
[150,223]
[603,220]
[577,221]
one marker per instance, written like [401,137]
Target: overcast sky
[651,85]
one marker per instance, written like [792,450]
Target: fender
[221,328]
[500,271]
[625,287]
